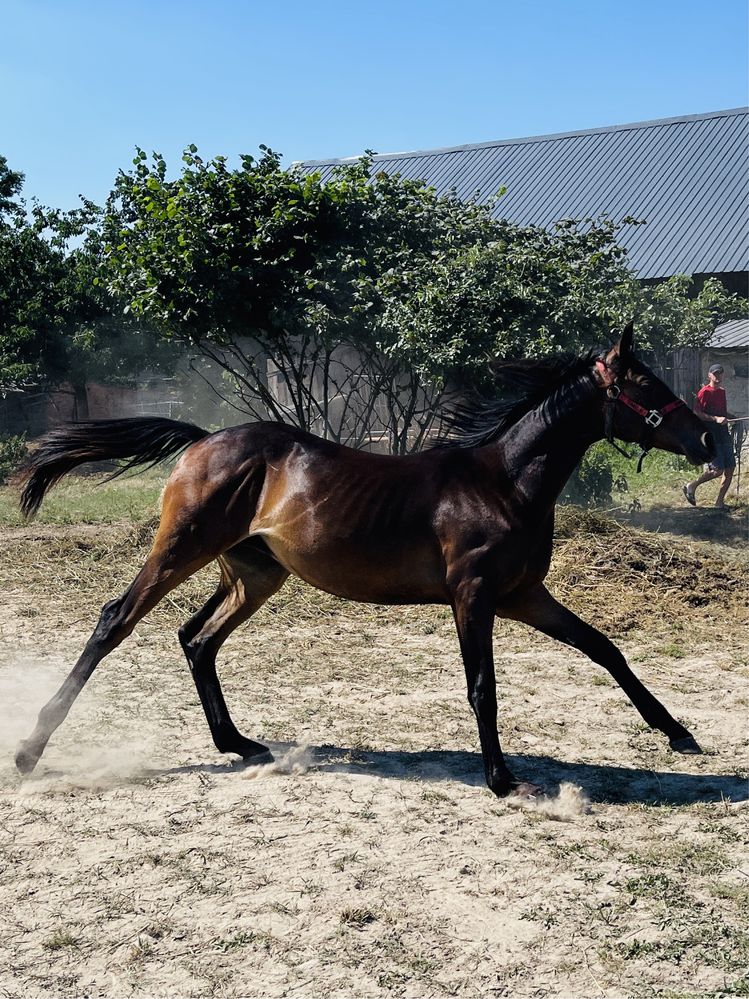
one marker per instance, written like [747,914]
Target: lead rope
[738,440]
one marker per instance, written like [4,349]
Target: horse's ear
[626,346]
[622,352]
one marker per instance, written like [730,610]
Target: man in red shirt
[711,407]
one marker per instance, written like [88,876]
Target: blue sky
[83,83]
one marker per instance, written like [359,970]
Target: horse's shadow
[604,784]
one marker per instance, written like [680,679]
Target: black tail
[144,441]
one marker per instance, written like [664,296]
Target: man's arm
[699,410]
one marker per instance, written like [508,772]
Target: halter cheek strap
[652,417]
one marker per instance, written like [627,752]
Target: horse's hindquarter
[354,524]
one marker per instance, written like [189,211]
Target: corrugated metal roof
[733,334]
[687,177]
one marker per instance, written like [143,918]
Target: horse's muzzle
[699,451]
[708,448]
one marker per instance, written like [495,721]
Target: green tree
[57,322]
[345,303]
[531,291]
[680,312]
[273,277]
[524,291]
[30,274]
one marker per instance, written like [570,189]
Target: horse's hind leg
[173,558]
[249,576]
[539,609]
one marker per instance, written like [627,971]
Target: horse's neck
[540,453]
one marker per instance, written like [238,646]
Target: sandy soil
[370,859]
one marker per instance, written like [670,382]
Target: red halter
[653,417]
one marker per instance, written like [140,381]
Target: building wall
[687,373]
[735,361]
[33,412]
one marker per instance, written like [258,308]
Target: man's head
[715,374]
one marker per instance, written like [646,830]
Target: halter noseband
[653,417]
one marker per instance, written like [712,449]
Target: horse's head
[640,408]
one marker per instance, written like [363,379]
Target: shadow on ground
[603,784]
[727,527]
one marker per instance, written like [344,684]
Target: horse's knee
[111,627]
[200,652]
[482,696]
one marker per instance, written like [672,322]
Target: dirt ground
[370,859]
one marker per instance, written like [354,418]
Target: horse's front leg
[539,609]
[473,609]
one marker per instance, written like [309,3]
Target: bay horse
[469,526]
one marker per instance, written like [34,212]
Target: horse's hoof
[25,760]
[687,745]
[527,791]
[257,759]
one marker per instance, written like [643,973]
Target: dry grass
[629,578]
[622,577]
[371,858]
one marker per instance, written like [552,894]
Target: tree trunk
[80,403]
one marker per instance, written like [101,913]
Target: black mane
[545,383]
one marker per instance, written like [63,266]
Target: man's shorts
[724,456]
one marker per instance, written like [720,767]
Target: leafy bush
[345,304]
[13,450]
[591,482]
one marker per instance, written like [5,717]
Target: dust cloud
[25,686]
[567,805]
[295,761]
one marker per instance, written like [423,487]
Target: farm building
[686,177]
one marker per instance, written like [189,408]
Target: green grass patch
[711,944]
[241,939]
[90,499]
[60,939]
[739,987]
[695,858]
[659,887]
[660,480]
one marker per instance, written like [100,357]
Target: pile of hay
[628,578]
[615,576]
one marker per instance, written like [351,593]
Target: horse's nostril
[707,441]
